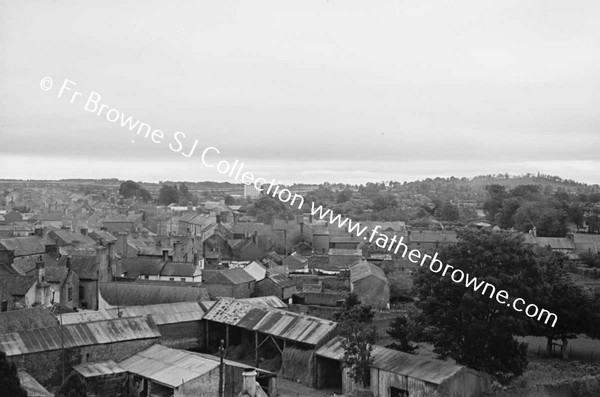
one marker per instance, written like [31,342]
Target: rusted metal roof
[169,367]
[276,322]
[102,368]
[166,313]
[76,335]
[266,301]
[425,369]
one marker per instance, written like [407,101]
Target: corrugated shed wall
[381,381]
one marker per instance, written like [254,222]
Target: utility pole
[221,380]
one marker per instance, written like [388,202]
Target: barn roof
[365,269]
[76,335]
[166,313]
[418,367]
[276,322]
[89,370]
[169,367]
[136,294]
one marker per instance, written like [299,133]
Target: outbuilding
[398,374]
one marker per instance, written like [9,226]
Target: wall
[372,291]
[46,367]
[204,386]
[90,295]
[382,380]
[466,383]
[190,335]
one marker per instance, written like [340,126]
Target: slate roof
[85,267]
[365,269]
[410,365]
[102,235]
[16,285]
[136,294]
[26,319]
[178,269]
[231,277]
[71,238]
[23,246]
[282,280]
[276,322]
[134,267]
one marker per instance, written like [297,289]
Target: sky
[302,90]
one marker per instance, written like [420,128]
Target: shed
[395,373]
[270,333]
[160,370]
[235,283]
[279,285]
[103,378]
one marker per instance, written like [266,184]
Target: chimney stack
[176,251]
[122,244]
[40,231]
[41,271]
[218,218]
[249,382]
[68,262]
[165,255]
[84,231]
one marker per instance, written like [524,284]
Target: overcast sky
[303,91]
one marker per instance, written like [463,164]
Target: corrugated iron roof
[276,322]
[89,370]
[169,367]
[137,294]
[266,301]
[75,335]
[166,313]
[425,369]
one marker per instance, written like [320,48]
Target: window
[4,306]
[171,278]
[182,278]
[147,277]
[70,292]
[81,293]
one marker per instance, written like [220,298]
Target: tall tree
[168,195]
[400,331]
[358,336]
[467,325]
[560,295]
[10,385]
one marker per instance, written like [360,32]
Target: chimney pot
[249,382]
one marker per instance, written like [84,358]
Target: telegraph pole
[221,380]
